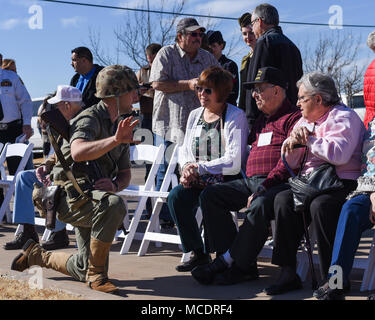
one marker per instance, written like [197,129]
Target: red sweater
[369,93]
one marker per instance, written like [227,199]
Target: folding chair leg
[153,224]
[46,234]
[133,226]
[369,273]
[5,205]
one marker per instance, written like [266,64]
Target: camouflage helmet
[115,80]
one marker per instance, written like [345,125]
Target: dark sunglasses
[206,90]
[196,34]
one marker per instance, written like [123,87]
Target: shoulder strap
[64,164]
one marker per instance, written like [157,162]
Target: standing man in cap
[85,77]
[272,49]
[174,74]
[92,208]
[217,44]
[236,252]
[15,112]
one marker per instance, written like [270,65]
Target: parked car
[356,102]
[36,138]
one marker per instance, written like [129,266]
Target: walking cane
[314,282]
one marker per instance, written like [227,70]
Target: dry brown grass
[11,289]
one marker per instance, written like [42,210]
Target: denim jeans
[158,140]
[24,211]
[354,219]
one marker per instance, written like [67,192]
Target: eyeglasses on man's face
[260,90]
[195,34]
[205,90]
[252,22]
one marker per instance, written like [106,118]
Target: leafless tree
[337,54]
[148,25]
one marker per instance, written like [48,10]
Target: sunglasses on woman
[206,90]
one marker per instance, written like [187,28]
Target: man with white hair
[272,49]
[68,100]
[369,83]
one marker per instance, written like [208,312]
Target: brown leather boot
[97,277]
[33,254]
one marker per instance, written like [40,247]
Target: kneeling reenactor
[92,207]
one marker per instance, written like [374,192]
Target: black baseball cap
[270,75]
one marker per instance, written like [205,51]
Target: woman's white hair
[322,84]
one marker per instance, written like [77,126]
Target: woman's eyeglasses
[201,89]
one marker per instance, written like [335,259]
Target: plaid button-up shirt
[266,160]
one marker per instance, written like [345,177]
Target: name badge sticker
[264,139]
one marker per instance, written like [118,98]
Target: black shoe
[193,262]
[326,293]
[371,297]
[235,275]
[205,274]
[21,239]
[276,289]
[58,240]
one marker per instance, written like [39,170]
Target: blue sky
[43,55]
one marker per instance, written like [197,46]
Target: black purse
[305,188]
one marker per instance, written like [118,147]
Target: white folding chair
[141,193]
[152,232]
[7,182]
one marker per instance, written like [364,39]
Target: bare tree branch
[337,55]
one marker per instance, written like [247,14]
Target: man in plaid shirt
[236,252]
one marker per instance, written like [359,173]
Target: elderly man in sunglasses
[174,74]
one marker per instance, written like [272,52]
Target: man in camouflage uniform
[93,136]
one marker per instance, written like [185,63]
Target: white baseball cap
[66,93]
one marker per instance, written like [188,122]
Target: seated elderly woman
[214,150]
[357,215]
[332,133]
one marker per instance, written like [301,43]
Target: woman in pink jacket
[333,133]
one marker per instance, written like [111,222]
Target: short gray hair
[371,40]
[267,13]
[320,84]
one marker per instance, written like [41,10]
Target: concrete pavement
[153,276]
